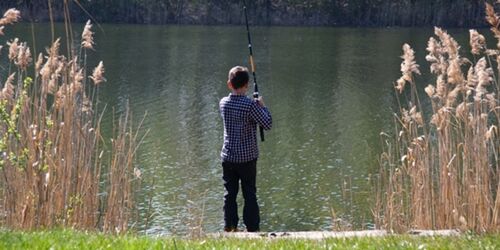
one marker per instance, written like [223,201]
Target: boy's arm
[261,115]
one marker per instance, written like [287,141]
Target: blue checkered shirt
[240,116]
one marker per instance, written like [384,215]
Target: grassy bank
[66,239]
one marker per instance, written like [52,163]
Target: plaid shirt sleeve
[261,115]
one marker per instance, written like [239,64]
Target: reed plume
[477,42]
[11,16]
[408,67]
[98,74]
[494,20]
[8,89]
[38,64]
[13,49]
[88,36]
[23,58]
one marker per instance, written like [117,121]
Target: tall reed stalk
[443,172]
[51,148]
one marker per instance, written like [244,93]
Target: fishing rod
[255,87]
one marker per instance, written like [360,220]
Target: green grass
[67,239]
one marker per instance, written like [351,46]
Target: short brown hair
[238,76]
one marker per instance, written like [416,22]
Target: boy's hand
[260,101]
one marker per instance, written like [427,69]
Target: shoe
[230,229]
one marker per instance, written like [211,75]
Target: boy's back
[240,116]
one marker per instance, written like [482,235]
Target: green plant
[52,162]
[443,172]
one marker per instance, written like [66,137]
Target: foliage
[442,170]
[51,149]
[458,13]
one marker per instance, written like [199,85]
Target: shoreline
[319,235]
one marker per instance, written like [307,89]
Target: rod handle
[261,130]
[256,96]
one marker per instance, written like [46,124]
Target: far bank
[336,13]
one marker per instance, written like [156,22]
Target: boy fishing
[239,154]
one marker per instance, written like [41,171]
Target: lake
[330,92]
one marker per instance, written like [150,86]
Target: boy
[240,116]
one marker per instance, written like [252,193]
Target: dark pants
[232,173]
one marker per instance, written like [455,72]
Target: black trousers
[232,174]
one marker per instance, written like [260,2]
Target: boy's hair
[238,76]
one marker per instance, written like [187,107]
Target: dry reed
[51,147]
[443,172]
